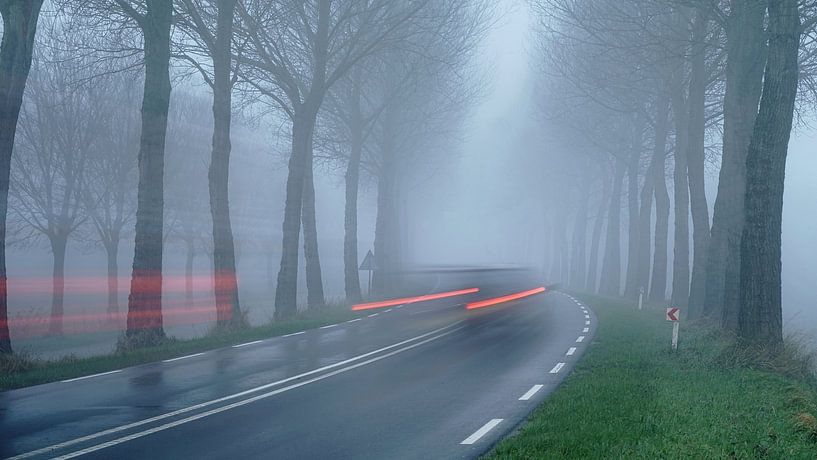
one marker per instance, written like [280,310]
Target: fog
[483,183]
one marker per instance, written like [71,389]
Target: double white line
[339,369]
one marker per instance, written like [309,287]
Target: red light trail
[503,299]
[407,300]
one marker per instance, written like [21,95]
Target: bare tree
[19,28]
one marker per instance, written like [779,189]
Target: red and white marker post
[673,315]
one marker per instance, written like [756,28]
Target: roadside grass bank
[630,397]
[21,370]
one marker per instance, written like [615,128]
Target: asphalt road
[421,380]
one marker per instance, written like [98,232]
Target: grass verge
[630,397]
[19,371]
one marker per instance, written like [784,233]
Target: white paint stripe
[580,339]
[250,400]
[557,368]
[294,333]
[353,320]
[387,310]
[587,329]
[327,327]
[482,431]
[373,315]
[586,316]
[570,351]
[91,376]
[248,343]
[587,323]
[182,357]
[533,390]
[224,398]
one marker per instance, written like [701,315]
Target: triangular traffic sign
[368,262]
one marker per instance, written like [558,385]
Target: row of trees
[660,90]
[369,84]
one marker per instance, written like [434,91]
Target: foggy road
[417,380]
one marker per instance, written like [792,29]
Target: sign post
[369,266]
[672,315]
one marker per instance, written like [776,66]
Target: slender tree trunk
[695,166]
[611,266]
[19,27]
[112,253]
[225,279]
[145,324]
[761,315]
[592,271]
[314,280]
[286,292]
[190,257]
[350,261]
[58,246]
[680,266]
[644,236]
[578,258]
[631,280]
[746,55]
[386,240]
[658,282]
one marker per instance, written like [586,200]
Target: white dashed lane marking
[570,351]
[580,339]
[557,368]
[482,431]
[529,394]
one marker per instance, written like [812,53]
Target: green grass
[630,397]
[19,371]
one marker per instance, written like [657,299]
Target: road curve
[422,380]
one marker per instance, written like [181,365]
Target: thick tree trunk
[746,55]
[578,257]
[314,281]
[386,238]
[19,27]
[592,270]
[225,279]
[695,166]
[630,283]
[350,260]
[761,317]
[658,281]
[112,253]
[680,266]
[611,266]
[145,301]
[286,292]
[58,246]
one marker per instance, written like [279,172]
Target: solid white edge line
[248,343]
[580,339]
[570,351]
[327,327]
[90,376]
[244,402]
[557,368]
[223,398]
[482,431]
[529,394]
[294,333]
[182,357]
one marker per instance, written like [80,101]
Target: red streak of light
[503,299]
[407,300]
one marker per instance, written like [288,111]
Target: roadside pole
[369,266]
[672,315]
[640,297]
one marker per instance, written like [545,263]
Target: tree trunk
[631,280]
[225,279]
[611,266]
[680,266]
[350,261]
[746,55]
[314,281]
[578,258]
[386,239]
[695,166]
[19,28]
[58,246]
[112,253]
[145,301]
[658,282]
[190,257]
[286,292]
[761,315]
[592,271]
[644,236]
